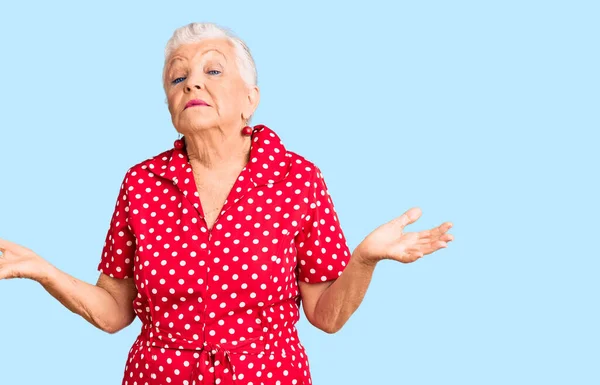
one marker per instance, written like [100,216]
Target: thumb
[6,245]
[410,216]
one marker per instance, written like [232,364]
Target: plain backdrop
[483,113]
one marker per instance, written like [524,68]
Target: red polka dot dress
[220,305]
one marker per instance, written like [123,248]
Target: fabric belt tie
[214,365]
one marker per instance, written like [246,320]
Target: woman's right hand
[20,262]
[107,305]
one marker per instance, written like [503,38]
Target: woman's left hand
[18,261]
[389,241]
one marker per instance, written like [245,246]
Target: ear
[252,102]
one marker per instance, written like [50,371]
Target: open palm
[389,241]
[18,262]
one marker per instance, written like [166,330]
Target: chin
[196,125]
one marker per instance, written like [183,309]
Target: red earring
[179,144]
[247,131]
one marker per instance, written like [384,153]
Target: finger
[413,244]
[409,241]
[4,273]
[444,227]
[413,256]
[5,245]
[433,247]
[410,216]
[408,257]
[407,253]
[428,236]
[399,250]
[442,237]
[424,239]
[436,231]
[441,229]
[447,238]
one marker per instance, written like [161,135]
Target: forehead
[192,51]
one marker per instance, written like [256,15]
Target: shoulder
[152,165]
[302,165]
[306,175]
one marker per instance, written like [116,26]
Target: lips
[196,102]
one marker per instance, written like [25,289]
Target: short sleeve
[321,245]
[119,247]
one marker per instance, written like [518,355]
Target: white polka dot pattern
[219,305]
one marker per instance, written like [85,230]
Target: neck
[216,150]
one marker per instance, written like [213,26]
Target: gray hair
[195,32]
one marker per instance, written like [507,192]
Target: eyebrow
[179,58]
[217,51]
[171,62]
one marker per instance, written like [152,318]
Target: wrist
[44,272]
[363,259]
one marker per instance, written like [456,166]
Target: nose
[189,86]
[193,82]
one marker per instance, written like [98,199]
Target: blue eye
[214,72]
[178,80]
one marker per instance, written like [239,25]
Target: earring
[247,131]
[179,143]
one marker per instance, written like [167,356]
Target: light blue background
[483,113]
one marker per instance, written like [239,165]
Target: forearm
[93,303]
[341,299]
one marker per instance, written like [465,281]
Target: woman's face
[207,73]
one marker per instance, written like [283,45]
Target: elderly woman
[215,243]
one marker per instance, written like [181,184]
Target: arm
[108,305]
[329,305]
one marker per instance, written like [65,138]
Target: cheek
[172,102]
[229,100]
[171,109]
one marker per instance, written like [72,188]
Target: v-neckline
[268,163]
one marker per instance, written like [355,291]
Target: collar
[269,163]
